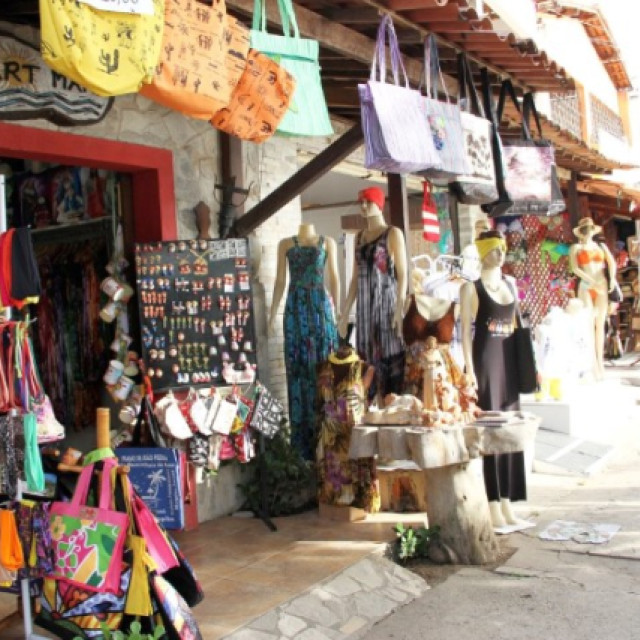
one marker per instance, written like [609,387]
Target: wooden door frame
[151,170]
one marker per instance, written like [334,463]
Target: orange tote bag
[259,101]
[192,76]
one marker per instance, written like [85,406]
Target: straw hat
[586,224]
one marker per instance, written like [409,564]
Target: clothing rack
[24,582]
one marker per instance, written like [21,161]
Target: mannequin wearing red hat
[310,332]
[379,288]
[588,259]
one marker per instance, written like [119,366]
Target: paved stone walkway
[341,606]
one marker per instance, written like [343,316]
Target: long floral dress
[341,405]
[310,335]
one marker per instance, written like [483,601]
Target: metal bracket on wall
[227,213]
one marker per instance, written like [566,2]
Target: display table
[456,499]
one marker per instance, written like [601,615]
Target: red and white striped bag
[430,224]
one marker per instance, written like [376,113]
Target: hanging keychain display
[196,312]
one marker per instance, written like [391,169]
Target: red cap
[372,194]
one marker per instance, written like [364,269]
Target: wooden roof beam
[336,37]
[299,181]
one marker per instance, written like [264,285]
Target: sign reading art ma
[30,89]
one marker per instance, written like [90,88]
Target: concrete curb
[343,606]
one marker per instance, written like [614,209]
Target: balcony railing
[603,128]
[604,119]
[565,112]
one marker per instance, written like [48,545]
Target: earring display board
[196,312]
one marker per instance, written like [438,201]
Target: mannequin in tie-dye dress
[310,333]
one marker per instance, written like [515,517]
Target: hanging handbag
[444,120]
[177,619]
[397,134]
[268,413]
[478,186]
[503,204]
[87,541]
[73,613]
[108,52]
[308,114]
[192,75]
[430,222]
[526,370]
[531,180]
[259,101]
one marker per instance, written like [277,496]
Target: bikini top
[415,327]
[585,256]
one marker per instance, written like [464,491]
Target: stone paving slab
[341,606]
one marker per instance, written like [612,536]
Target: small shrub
[413,543]
[289,479]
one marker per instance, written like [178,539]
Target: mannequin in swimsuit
[307,237]
[587,261]
[375,227]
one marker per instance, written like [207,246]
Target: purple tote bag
[396,130]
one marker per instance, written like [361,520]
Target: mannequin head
[481,225]
[371,201]
[492,248]
[586,229]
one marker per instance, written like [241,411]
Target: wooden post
[103,427]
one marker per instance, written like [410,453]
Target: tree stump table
[454,492]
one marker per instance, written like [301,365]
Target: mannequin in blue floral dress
[310,333]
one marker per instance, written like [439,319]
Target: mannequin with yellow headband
[490,360]
[379,289]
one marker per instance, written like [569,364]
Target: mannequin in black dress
[489,354]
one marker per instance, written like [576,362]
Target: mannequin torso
[307,237]
[375,228]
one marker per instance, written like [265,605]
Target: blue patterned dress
[310,335]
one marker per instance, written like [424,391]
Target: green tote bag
[307,114]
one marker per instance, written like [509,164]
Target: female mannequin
[470,259]
[587,260]
[379,286]
[490,362]
[310,333]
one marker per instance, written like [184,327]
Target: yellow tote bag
[107,52]
[193,75]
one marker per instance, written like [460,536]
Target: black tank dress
[493,352]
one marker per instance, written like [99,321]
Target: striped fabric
[377,342]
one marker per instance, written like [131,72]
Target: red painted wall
[151,168]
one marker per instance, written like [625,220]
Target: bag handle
[507,89]
[379,63]
[432,70]
[529,108]
[470,101]
[4,387]
[287,17]
[81,491]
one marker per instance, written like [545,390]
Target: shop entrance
[73,229]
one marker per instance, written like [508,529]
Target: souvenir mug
[123,387]
[111,287]
[119,340]
[114,372]
[126,293]
[129,413]
[109,312]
